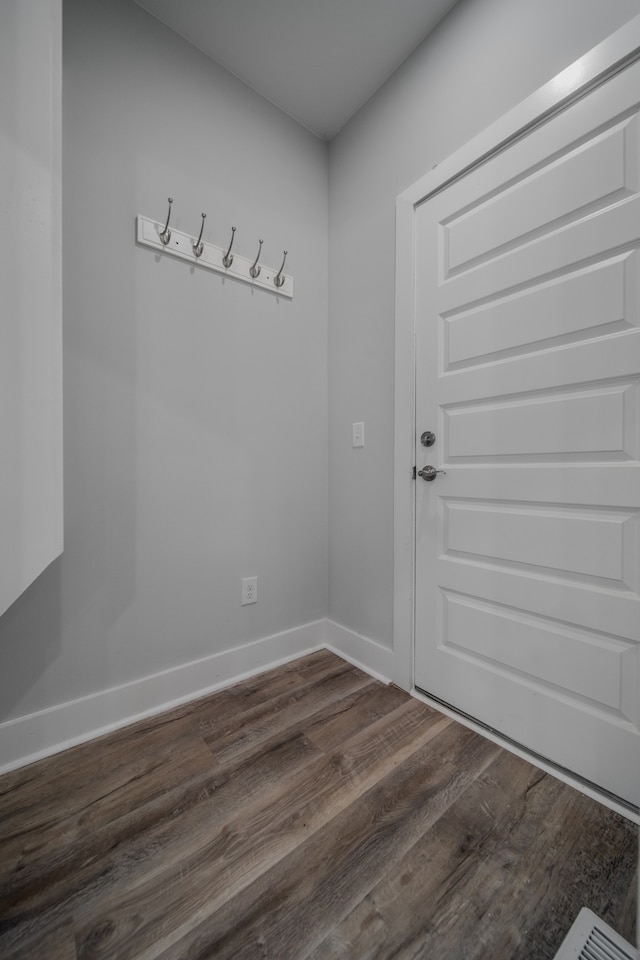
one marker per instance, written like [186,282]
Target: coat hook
[198,246]
[279,279]
[228,257]
[165,235]
[254,269]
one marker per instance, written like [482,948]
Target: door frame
[609,57]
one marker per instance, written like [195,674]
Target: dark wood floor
[308,814]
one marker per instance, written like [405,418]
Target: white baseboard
[367,654]
[49,731]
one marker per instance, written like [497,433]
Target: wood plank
[316,664]
[29,848]
[82,768]
[272,687]
[91,785]
[628,925]
[327,816]
[522,907]
[19,789]
[170,830]
[595,854]
[397,909]
[264,725]
[58,944]
[218,867]
[354,713]
[479,883]
[325,874]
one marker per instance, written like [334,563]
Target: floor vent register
[592,939]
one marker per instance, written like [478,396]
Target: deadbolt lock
[428,438]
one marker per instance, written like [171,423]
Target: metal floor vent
[590,938]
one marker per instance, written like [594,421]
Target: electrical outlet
[249,590]
[358,434]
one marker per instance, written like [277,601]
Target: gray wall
[195,410]
[483,59]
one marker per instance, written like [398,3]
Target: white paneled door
[528,373]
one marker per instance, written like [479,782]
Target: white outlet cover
[249,590]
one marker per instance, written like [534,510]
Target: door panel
[543,650]
[564,541]
[580,305]
[528,370]
[597,422]
[588,177]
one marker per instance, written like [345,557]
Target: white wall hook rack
[211,258]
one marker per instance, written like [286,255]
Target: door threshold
[590,789]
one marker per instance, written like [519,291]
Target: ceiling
[318,60]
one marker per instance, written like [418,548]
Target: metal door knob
[429,472]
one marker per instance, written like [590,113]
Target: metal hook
[279,279]
[198,246]
[228,257]
[254,269]
[165,235]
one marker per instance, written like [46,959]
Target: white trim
[372,657]
[49,731]
[404,441]
[54,729]
[566,87]
[563,775]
